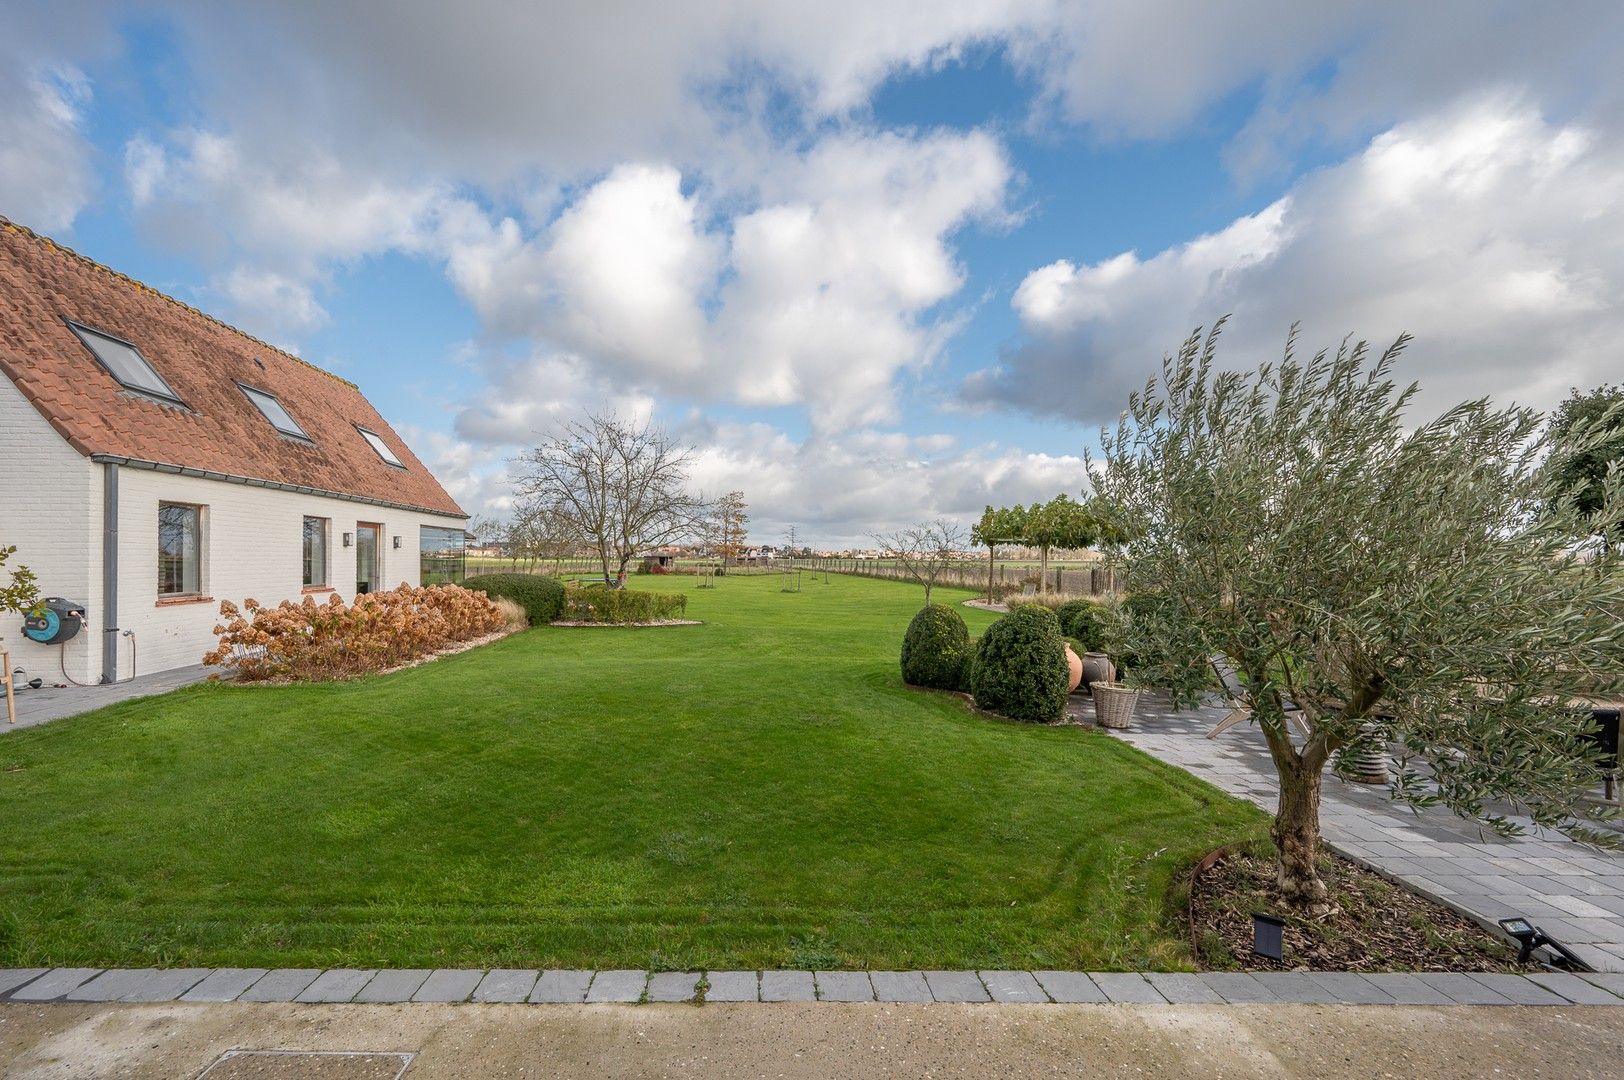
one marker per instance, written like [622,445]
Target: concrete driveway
[796,1040]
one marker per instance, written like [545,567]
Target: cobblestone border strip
[454,985]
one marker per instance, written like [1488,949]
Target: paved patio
[1575,893]
[53,702]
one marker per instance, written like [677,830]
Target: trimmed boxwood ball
[541,597]
[936,648]
[1084,621]
[1020,666]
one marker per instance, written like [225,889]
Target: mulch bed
[1373,925]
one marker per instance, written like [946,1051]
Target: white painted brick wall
[50,507]
[46,511]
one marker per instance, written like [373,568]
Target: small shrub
[542,597]
[1020,666]
[1086,622]
[311,642]
[936,648]
[621,605]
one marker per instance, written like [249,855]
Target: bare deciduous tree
[621,487]
[924,550]
[727,523]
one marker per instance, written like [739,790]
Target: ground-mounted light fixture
[349,539]
[1530,937]
[1268,936]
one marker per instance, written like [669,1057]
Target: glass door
[366,556]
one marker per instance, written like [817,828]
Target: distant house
[156,461]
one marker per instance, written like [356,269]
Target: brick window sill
[178,601]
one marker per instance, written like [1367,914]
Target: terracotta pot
[1097,667]
[1075,663]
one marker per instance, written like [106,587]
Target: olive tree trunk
[1296,828]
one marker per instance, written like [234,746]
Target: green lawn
[759,791]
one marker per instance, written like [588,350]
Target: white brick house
[154,461]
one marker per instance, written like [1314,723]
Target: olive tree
[19,588]
[1403,583]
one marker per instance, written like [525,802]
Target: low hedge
[601,605]
[1020,666]
[936,649]
[542,597]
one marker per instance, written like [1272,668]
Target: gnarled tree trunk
[1296,828]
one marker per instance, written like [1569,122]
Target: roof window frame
[81,329]
[249,390]
[379,447]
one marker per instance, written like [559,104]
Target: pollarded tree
[1062,522]
[1005,525]
[1401,584]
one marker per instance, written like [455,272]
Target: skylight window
[273,411]
[126,364]
[381,447]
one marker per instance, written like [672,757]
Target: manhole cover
[307,1065]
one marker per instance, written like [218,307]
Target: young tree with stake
[1404,583]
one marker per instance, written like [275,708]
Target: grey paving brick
[54,984]
[1462,989]
[110,985]
[1405,989]
[956,986]
[1575,989]
[1012,986]
[1183,988]
[1294,987]
[1238,987]
[391,986]
[11,978]
[788,986]
[224,984]
[1611,981]
[449,984]
[1518,989]
[506,984]
[844,986]
[1069,986]
[733,986]
[900,986]
[562,985]
[673,986]
[166,984]
[337,985]
[620,985]
[1352,988]
[1126,987]
[280,984]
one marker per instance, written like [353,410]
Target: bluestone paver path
[1574,893]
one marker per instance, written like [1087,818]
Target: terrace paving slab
[1406,989]
[1238,987]
[562,986]
[788,986]
[506,985]
[1070,987]
[1127,987]
[12,978]
[1577,990]
[733,986]
[449,985]
[390,987]
[1184,988]
[956,986]
[280,984]
[844,986]
[900,986]
[336,985]
[673,986]
[1519,990]
[54,984]
[622,985]
[1351,988]
[1012,986]
[224,984]
[1463,989]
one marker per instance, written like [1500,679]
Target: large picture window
[180,549]
[441,552]
[315,551]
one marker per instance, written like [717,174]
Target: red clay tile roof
[220,431]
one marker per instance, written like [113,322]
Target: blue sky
[877,264]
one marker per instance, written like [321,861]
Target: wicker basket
[1113,705]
